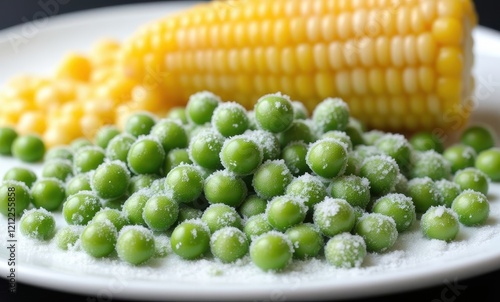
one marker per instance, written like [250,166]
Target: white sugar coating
[18,183]
[89,148]
[379,219]
[228,106]
[276,94]
[147,233]
[208,136]
[267,141]
[300,106]
[40,210]
[397,140]
[326,142]
[478,174]
[274,233]
[444,184]
[111,152]
[295,200]
[206,95]
[329,207]
[228,232]
[431,159]
[198,222]
[362,151]
[399,200]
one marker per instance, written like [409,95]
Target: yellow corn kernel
[74,66]
[447,31]
[31,122]
[450,61]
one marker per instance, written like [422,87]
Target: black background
[482,288]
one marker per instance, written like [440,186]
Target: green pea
[331,114]
[424,194]
[294,155]
[430,164]
[200,107]
[178,113]
[327,157]
[472,208]
[61,169]
[80,143]
[271,251]
[67,236]
[22,174]
[110,180]
[379,231]
[59,152]
[48,193]
[345,250]
[472,178]
[176,157]
[448,191]
[271,179]
[160,213]
[81,207]
[256,226]
[135,245]
[7,137]
[98,239]
[371,137]
[334,216]
[139,123]
[274,113]
[190,239]
[299,131]
[309,188]
[38,224]
[426,141]
[460,157]
[397,147]
[440,223]
[488,162]
[217,216]
[478,137]
[285,211]
[185,182]
[341,136]
[146,156]
[230,119]
[268,142]
[300,111]
[205,147]
[354,189]
[80,182]
[252,205]
[119,146]
[241,155]
[116,217]
[229,244]
[171,134]
[382,173]
[88,159]
[225,187]
[105,134]
[306,239]
[133,208]
[399,207]
[15,197]
[355,130]
[187,213]
[28,148]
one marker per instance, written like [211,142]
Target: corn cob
[400,65]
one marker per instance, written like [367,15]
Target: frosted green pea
[225,187]
[133,208]
[15,197]
[190,239]
[371,137]
[187,213]
[146,156]
[176,157]
[283,212]
[105,134]
[98,239]
[440,223]
[382,173]
[67,236]
[354,189]
[397,147]
[299,131]
[230,119]
[473,179]
[81,207]
[426,141]
[424,193]
[300,111]
[28,148]
[141,181]
[341,136]
[252,205]
[488,162]
[201,106]
[185,183]
[88,158]
[119,146]
[59,152]
[171,134]
[355,130]
[309,188]
[274,113]
[327,157]
[205,148]
[229,244]
[57,168]
[217,216]
[268,142]
[271,251]
[294,155]
[271,179]
[110,180]
[80,143]
[401,185]
[38,224]
[7,137]
[79,182]
[160,213]
[306,240]
[472,208]
[353,164]
[241,155]
[331,114]
[135,244]
[178,113]
[115,216]
[478,137]
[48,193]
[256,225]
[399,207]
[345,250]
[448,190]
[334,216]
[139,123]
[430,164]
[379,231]
[22,174]
[460,157]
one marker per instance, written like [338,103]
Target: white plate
[413,263]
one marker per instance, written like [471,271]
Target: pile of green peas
[275,184]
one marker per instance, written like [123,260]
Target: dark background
[483,288]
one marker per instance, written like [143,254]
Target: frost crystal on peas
[98,238]
[472,208]
[256,225]
[285,211]
[331,114]
[205,148]
[300,111]
[229,244]
[345,250]
[88,158]
[219,215]
[397,147]
[190,239]
[267,141]
[299,131]
[241,155]
[230,118]
[146,156]
[37,224]
[397,206]
[439,222]
[274,113]
[170,133]
[424,194]
[341,136]
[354,189]
[110,180]
[309,188]
[327,157]
[67,236]
[430,164]
[200,107]
[472,178]
[116,217]
[135,244]
[382,172]
[334,216]
[118,147]
[306,240]
[379,231]
[294,155]
[271,251]
[160,212]
[224,187]
[448,190]
[185,182]
[271,179]
[81,207]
